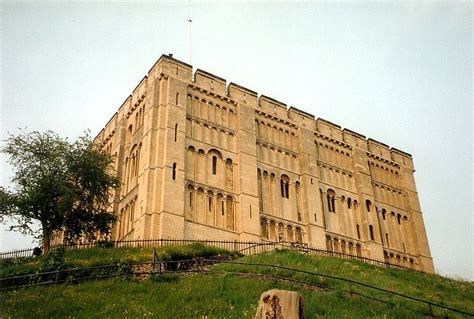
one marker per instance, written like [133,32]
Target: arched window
[328,243]
[229,213]
[399,218]
[285,186]
[299,235]
[386,239]
[289,233]
[174,171]
[331,195]
[358,231]
[368,204]
[264,228]
[214,165]
[349,203]
[371,231]
[384,212]
[358,250]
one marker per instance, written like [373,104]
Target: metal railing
[158,267]
[244,247]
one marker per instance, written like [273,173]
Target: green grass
[107,256]
[218,295]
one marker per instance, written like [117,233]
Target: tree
[63,186]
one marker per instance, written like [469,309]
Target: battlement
[169,66]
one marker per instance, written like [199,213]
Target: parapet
[210,82]
[242,94]
[171,66]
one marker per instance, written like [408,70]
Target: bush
[54,260]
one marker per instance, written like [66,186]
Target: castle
[200,159]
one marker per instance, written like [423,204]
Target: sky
[398,72]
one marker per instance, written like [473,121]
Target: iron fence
[159,267]
[243,247]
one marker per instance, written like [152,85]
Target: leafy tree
[62,186]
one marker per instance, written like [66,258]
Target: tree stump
[280,304]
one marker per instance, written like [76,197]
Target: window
[349,203]
[177,98]
[210,204]
[371,231]
[331,201]
[358,231]
[285,186]
[176,132]
[368,204]
[386,239]
[399,217]
[214,165]
[384,213]
[174,171]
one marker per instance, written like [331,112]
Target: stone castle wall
[201,159]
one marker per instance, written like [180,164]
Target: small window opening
[386,239]
[399,219]
[299,217]
[174,171]
[404,248]
[177,99]
[210,204]
[222,208]
[315,219]
[358,231]
[368,203]
[214,165]
[371,230]
[176,132]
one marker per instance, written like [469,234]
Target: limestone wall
[202,159]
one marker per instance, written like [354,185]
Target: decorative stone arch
[343,246]
[289,233]
[190,202]
[358,250]
[285,186]
[200,205]
[298,235]
[211,209]
[329,243]
[335,245]
[229,174]
[264,228]
[230,215]
[331,200]
[351,248]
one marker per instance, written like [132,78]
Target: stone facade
[200,159]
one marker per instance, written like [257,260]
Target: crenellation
[242,94]
[210,82]
[273,107]
[194,156]
[329,129]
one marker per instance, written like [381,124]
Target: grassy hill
[231,290]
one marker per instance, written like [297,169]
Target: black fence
[243,247]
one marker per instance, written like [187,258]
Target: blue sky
[398,72]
